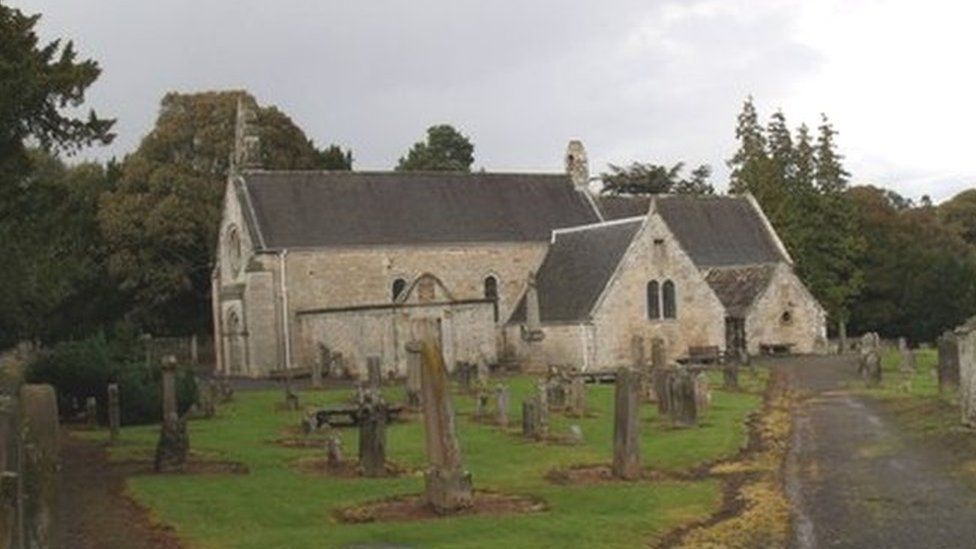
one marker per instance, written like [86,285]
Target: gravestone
[501,404]
[907,364]
[655,383]
[413,374]
[576,405]
[320,365]
[114,411]
[374,372]
[703,395]
[966,344]
[91,412]
[174,441]
[333,451]
[871,367]
[542,398]
[481,402]
[556,393]
[447,486]
[626,450]
[531,424]
[730,376]
[681,397]
[948,361]
[575,434]
[372,435]
[40,465]
[291,399]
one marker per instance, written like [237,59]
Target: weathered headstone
[333,451]
[40,465]
[531,425]
[966,343]
[626,449]
[948,361]
[575,434]
[374,372]
[114,411]
[556,393]
[730,376]
[871,367]
[413,374]
[542,398]
[907,364]
[682,402]
[576,405]
[205,398]
[654,381]
[372,436]
[501,404]
[447,485]
[703,395]
[174,441]
[91,412]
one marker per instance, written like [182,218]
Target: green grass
[277,506]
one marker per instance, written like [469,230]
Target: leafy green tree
[445,150]
[647,178]
[161,221]
[959,213]
[334,158]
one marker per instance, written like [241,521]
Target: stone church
[527,267]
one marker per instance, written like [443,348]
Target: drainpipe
[285,328]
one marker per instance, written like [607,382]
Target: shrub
[80,369]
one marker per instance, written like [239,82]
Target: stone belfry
[246,154]
[577,167]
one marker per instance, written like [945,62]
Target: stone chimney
[577,167]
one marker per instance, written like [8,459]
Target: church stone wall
[786,313]
[467,334]
[655,255]
[344,277]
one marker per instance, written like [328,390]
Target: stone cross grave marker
[114,412]
[626,423]
[447,486]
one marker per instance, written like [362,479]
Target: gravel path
[856,480]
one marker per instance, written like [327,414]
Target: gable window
[668,299]
[398,286]
[491,292]
[653,300]
[786,318]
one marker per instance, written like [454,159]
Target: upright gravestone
[682,404]
[374,372]
[907,364]
[205,398]
[174,441]
[372,435]
[501,404]
[542,400]
[658,378]
[871,366]
[447,485]
[948,361]
[320,365]
[114,411]
[333,451]
[531,428]
[40,465]
[413,374]
[730,375]
[91,412]
[966,344]
[577,397]
[480,401]
[626,449]
[703,395]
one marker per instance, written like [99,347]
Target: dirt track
[857,480]
[94,511]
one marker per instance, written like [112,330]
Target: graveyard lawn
[278,505]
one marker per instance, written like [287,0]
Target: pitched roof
[621,207]
[719,230]
[316,209]
[577,268]
[738,287]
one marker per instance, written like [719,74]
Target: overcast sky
[635,80]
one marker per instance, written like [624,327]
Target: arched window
[398,286]
[653,301]
[667,296]
[491,292]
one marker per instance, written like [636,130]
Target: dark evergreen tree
[445,149]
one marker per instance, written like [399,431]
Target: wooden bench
[703,354]
[348,415]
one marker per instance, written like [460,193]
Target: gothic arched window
[653,301]
[398,286]
[667,296]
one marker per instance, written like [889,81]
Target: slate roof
[319,209]
[719,230]
[621,207]
[577,268]
[738,287]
